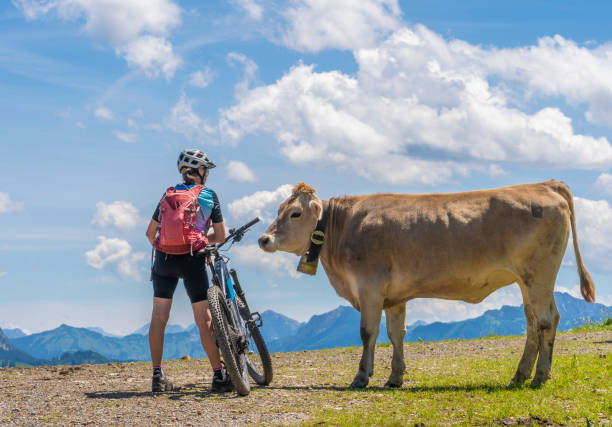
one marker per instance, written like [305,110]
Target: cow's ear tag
[308,267]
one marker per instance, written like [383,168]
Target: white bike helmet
[193,158]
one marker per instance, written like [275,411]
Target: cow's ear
[316,207]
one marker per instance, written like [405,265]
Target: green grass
[604,325]
[468,391]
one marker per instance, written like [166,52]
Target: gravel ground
[118,393]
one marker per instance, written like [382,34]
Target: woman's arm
[217,233]
[152,231]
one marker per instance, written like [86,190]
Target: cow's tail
[587,288]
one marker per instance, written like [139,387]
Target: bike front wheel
[259,362]
[229,338]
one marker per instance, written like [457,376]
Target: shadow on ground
[191,390]
[203,391]
[408,389]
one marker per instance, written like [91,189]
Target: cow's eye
[296,214]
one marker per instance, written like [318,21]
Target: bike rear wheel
[259,363]
[228,336]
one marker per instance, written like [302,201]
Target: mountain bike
[236,328]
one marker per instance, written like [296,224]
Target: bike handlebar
[250,223]
[235,235]
[239,232]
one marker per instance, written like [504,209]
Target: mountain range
[337,328]
[10,355]
[14,333]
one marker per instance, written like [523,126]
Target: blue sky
[99,97]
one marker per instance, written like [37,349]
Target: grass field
[473,391]
[461,382]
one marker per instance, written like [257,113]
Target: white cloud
[137,29]
[433,310]
[594,222]
[104,113]
[152,54]
[251,7]
[279,263]
[125,136]
[122,215]
[250,71]
[262,204]
[575,291]
[131,123]
[342,24]
[420,109]
[3,274]
[116,254]
[240,172]
[604,299]
[9,205]
[604,183]
[184,120]
[557,66]
[496,170]
[201,78]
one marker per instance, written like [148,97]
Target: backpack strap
[196,190]
[169,190]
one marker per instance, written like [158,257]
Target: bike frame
[220,277]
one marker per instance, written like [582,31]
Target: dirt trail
[118,393]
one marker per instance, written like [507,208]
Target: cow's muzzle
[267,242]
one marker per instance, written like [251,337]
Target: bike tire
[235,362]
[259,375]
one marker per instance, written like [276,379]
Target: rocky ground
[118,393]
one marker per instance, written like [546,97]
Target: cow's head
[297,219]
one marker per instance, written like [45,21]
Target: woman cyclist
[171,264]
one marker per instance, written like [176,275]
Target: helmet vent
[194,158]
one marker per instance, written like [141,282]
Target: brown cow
[382,250]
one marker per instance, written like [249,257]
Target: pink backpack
[178,234]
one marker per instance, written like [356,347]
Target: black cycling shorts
[168,269]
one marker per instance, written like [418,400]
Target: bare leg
[370,321]
[159,319]
[203,319]
[396,330]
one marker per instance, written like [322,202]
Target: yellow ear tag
[317,237]
[307,267]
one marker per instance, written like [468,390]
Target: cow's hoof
[518,379]
[539,380]
[359,383]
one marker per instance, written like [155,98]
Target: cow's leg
[396,330]
[531,344]
[542,321]
[371,312]
[548,320]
